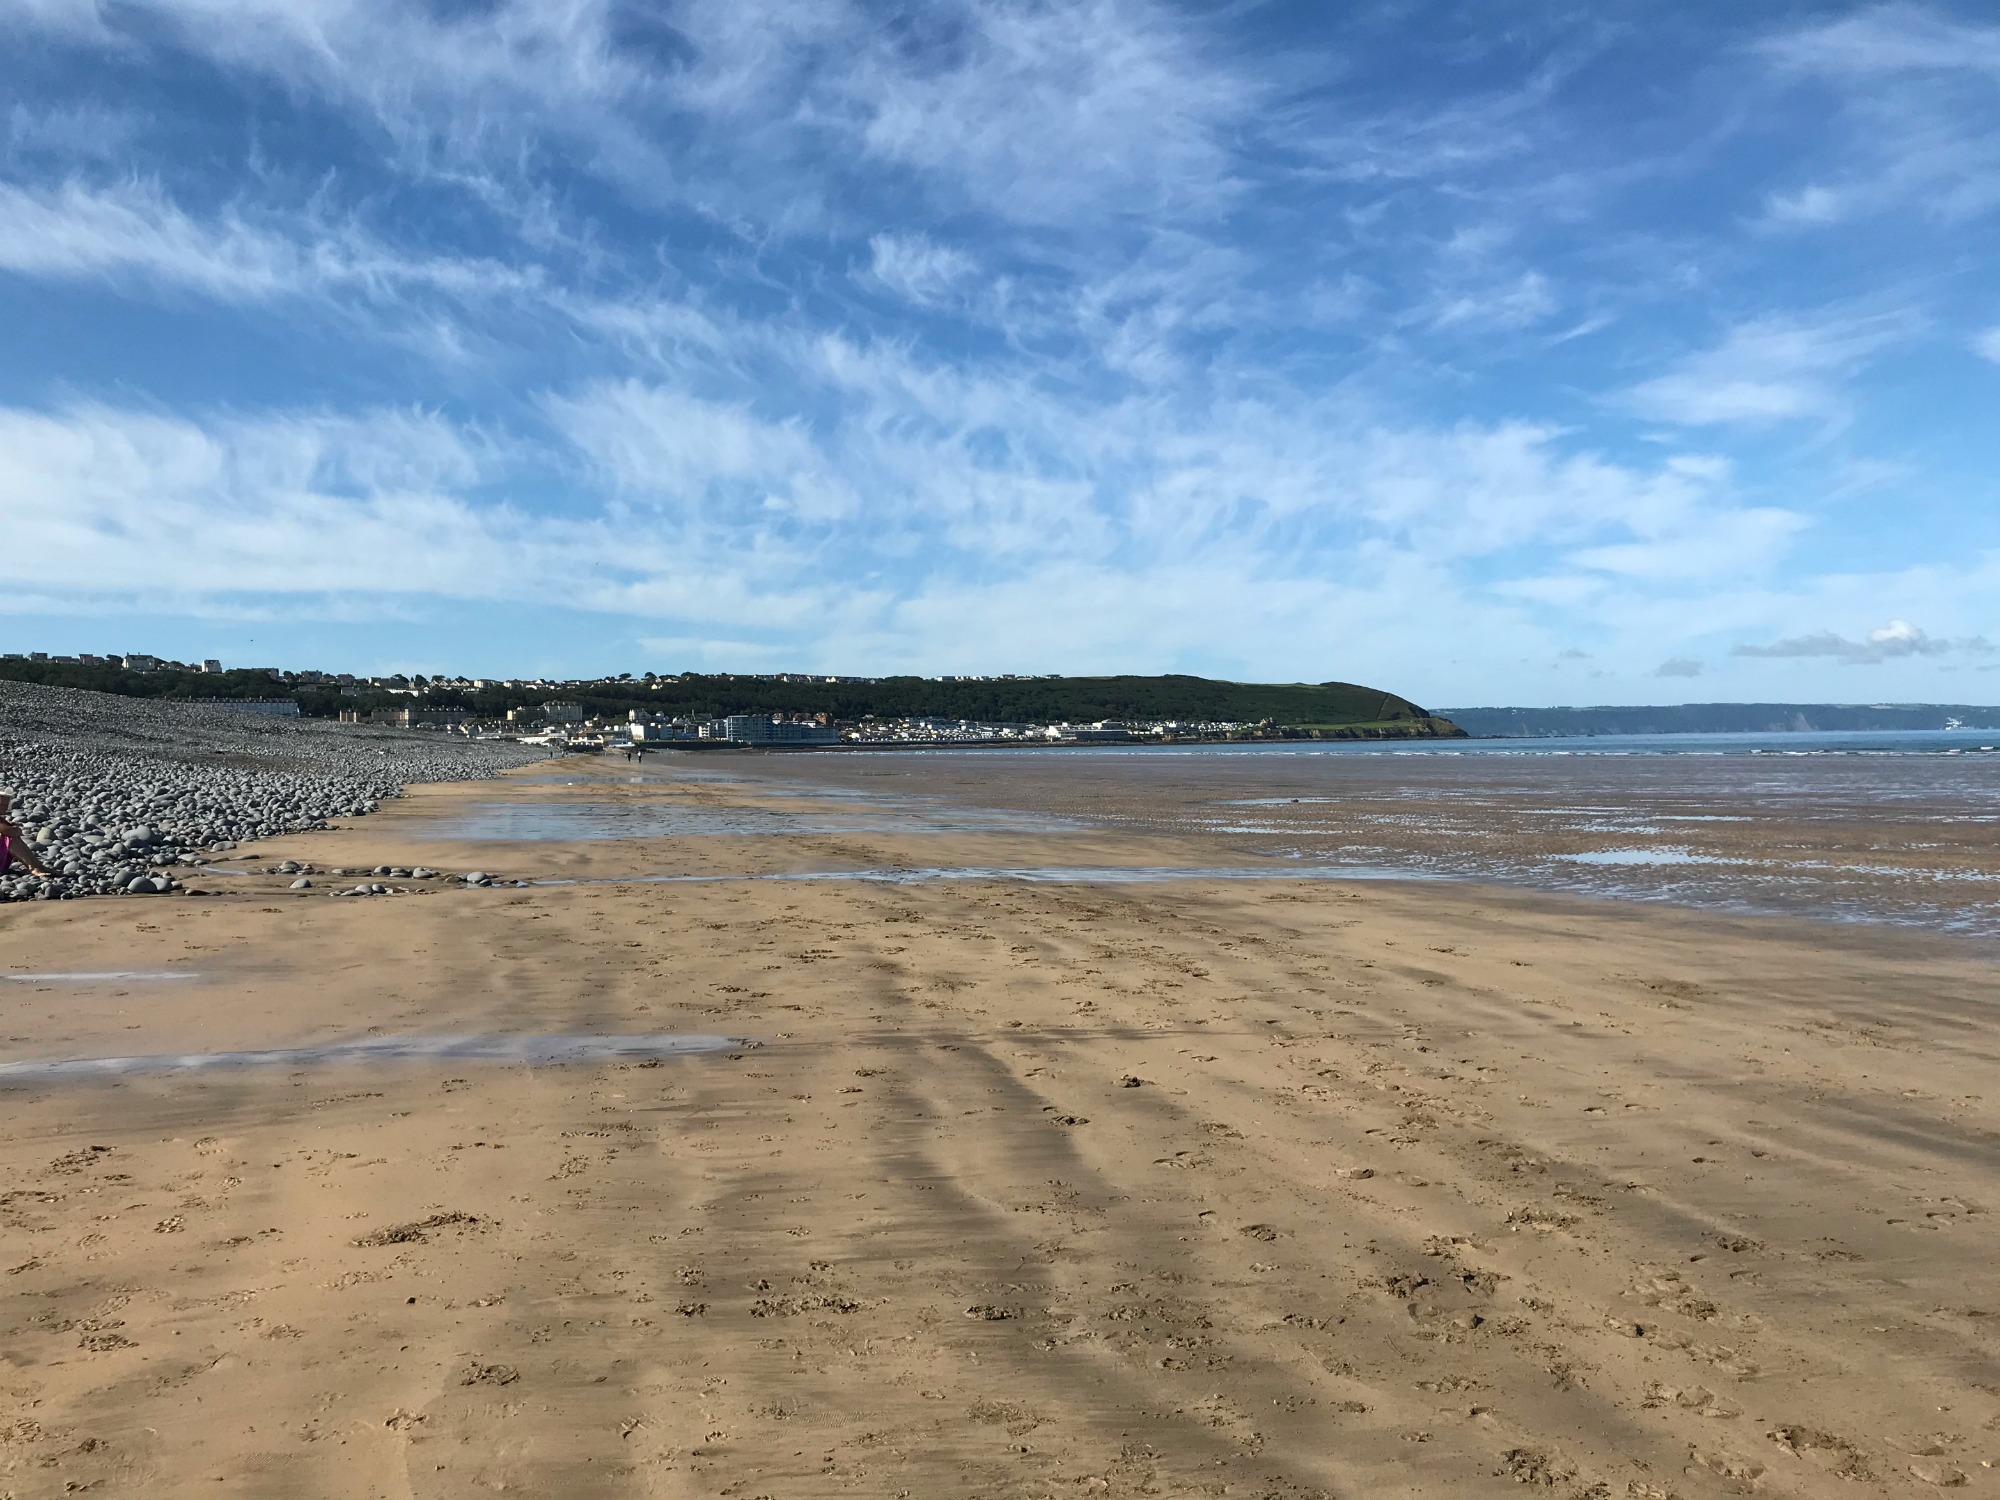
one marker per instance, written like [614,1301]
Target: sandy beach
[1177,1187]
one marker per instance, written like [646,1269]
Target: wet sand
[1203,1187]
[1905,837]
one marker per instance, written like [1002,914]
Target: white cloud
[1678,666]
[699,456]
[1769,370]
[1886,39]
[1898,638]
[1815,204]
[80,18]
[917,268]
[1256,528]
[1047,112]
[1920,97]
[71,131]
[131,229]
[1517,304]
[1483,491]
[1717,542]
[109,503]
[321,517]
[997,466]
[1986,344]
[1035,112]
[959,567]
[75,231]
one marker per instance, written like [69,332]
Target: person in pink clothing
[12,845]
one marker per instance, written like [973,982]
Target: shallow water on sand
[104,976]
[1660,856]
[1899,829]
[568,820]
[537,1050]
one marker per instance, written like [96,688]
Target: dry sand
[1201,1188]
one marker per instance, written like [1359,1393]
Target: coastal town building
[598,713]
[762,729]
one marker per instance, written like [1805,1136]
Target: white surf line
[474,1048]
[103,975]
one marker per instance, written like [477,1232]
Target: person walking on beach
[13,845]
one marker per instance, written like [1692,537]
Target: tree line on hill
[1338,708]
[163,682]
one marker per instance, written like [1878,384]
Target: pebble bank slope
[113,793]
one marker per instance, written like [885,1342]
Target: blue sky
[1537,353]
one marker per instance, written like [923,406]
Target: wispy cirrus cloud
[1110,106]
[914,474]
[132,230]
[138,506]
[1919,93]
[917,268]
[1525,300]
[1033,112]
[1769,370]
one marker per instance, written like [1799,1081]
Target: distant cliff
[1717,718]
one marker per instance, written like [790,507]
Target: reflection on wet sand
[1881,836]
[1027,874]
[503,1049]
[106,976]
[546,820]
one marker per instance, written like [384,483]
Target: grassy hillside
[1050,699]
[1342,709]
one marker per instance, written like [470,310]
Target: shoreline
[1368,735]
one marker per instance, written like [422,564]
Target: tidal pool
[558,821]
[120,976]
[1664,855]
[536,1050]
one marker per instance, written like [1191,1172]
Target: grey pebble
[109,790]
